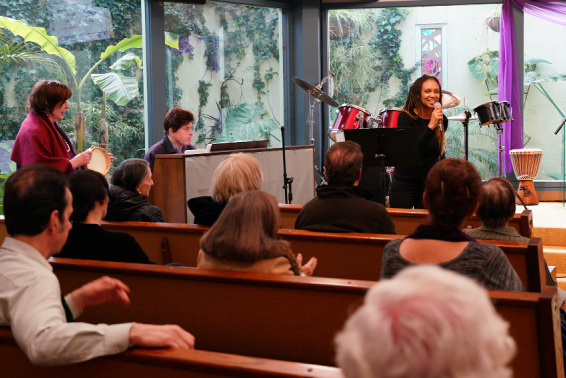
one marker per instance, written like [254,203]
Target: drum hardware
[287,181]
[495,113]
[349,117]
[322,178]
[316,92]
[465,119]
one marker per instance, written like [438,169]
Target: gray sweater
[485,263]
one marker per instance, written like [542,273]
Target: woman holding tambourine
[40,139]
[422,112]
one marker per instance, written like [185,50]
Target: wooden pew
[348,256]
[286,318]
[406,220]
[169,362]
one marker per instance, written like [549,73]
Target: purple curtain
[509,87]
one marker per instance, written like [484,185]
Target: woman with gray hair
[237,173]
[425,322]
[131,183]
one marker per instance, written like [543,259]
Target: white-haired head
[425,322]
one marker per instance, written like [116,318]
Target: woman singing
[40,139]
[419,114]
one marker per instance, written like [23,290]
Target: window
[84,29]
[544,101]
[228,70]
[376,54]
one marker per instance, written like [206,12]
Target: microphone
[436,105]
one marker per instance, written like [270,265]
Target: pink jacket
[39,141]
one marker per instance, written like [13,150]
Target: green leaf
[126,61]
[484,66]
[552,77]
[172,40]
[242,115]
[48,43]
[119,88]
[136,42]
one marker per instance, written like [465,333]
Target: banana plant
[50,45]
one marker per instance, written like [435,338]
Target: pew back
[168,362]
[406,220]
[348,256]
[287,318]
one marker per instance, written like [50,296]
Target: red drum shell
[351,117]
[389,117]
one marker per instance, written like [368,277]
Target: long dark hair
[246,231]
[414,102]
[87,187]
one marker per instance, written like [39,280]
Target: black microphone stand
[287,182]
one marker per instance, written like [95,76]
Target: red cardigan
[39,141]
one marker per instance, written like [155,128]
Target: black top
[205,209]
[346,208]
[126,205]
[163,147]
[429,147]
[91,242]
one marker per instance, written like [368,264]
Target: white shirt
[30,302]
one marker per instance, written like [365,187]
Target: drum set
[350,116]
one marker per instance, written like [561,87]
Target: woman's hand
[436,116]
[81,159]
[308,268]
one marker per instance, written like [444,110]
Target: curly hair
[426,322]
[414,103]
[452,188]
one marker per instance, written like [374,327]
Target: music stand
[391,147]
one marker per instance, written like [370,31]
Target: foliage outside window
[98,37]
[227,70]
[375,55]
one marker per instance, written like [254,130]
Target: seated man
[496,206]
[37,207]
[425,322]
[178,129]
[341,206]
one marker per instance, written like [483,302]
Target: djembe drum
[526,163]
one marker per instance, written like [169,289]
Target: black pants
[406,194]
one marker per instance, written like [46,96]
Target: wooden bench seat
[170,362]
[284,317]
[406,220]
[349,256]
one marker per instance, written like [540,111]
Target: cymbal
[449,100]
[462,118]
[315,92]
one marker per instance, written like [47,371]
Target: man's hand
[102,290]
[158,336]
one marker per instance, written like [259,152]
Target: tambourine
[100,161]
